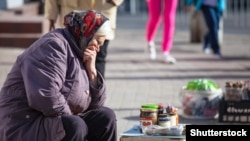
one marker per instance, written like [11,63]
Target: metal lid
[150,105]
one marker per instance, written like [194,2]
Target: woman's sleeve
[98,94]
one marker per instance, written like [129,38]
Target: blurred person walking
[56,9]
[158,10]
[212,11]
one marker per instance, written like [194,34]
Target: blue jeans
[212,18]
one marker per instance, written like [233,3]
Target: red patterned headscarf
[83,25]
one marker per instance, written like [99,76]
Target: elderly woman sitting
[54,92]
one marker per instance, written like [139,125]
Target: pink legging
[155,7]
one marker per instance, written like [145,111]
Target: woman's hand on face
[89,55]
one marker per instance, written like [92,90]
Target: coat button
[87,92]
[27,116]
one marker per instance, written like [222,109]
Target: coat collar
[72,43]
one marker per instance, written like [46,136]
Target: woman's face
[96,42]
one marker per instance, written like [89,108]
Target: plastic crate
[234,111]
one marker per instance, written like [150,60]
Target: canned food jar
[149,111]
[160,108]
[173,119]
[163,120]
[149,114]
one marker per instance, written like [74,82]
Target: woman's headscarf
[83,25]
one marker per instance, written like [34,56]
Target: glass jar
[149,114]
[173,119]
[163,120]
[160,109]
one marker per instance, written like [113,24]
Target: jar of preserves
[149,112]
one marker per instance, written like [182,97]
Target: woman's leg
[168,29]
[212,17]
[207,44]
[154,17]
[168,24]
[75,128]
[101,125]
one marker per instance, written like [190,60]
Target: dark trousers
[212,19]
[95,125]
[101,58]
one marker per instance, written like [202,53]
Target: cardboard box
[134,138]
[234,111]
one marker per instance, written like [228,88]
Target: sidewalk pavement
[132,79]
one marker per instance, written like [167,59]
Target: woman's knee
[74,126]
[108,113]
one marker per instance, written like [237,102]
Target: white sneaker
[207,51]
[151,51]
[169,59]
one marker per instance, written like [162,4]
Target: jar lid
[148,110]
[150,105]
[163,115]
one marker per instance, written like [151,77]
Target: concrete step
[22,24]
[18,40]
[21,30]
